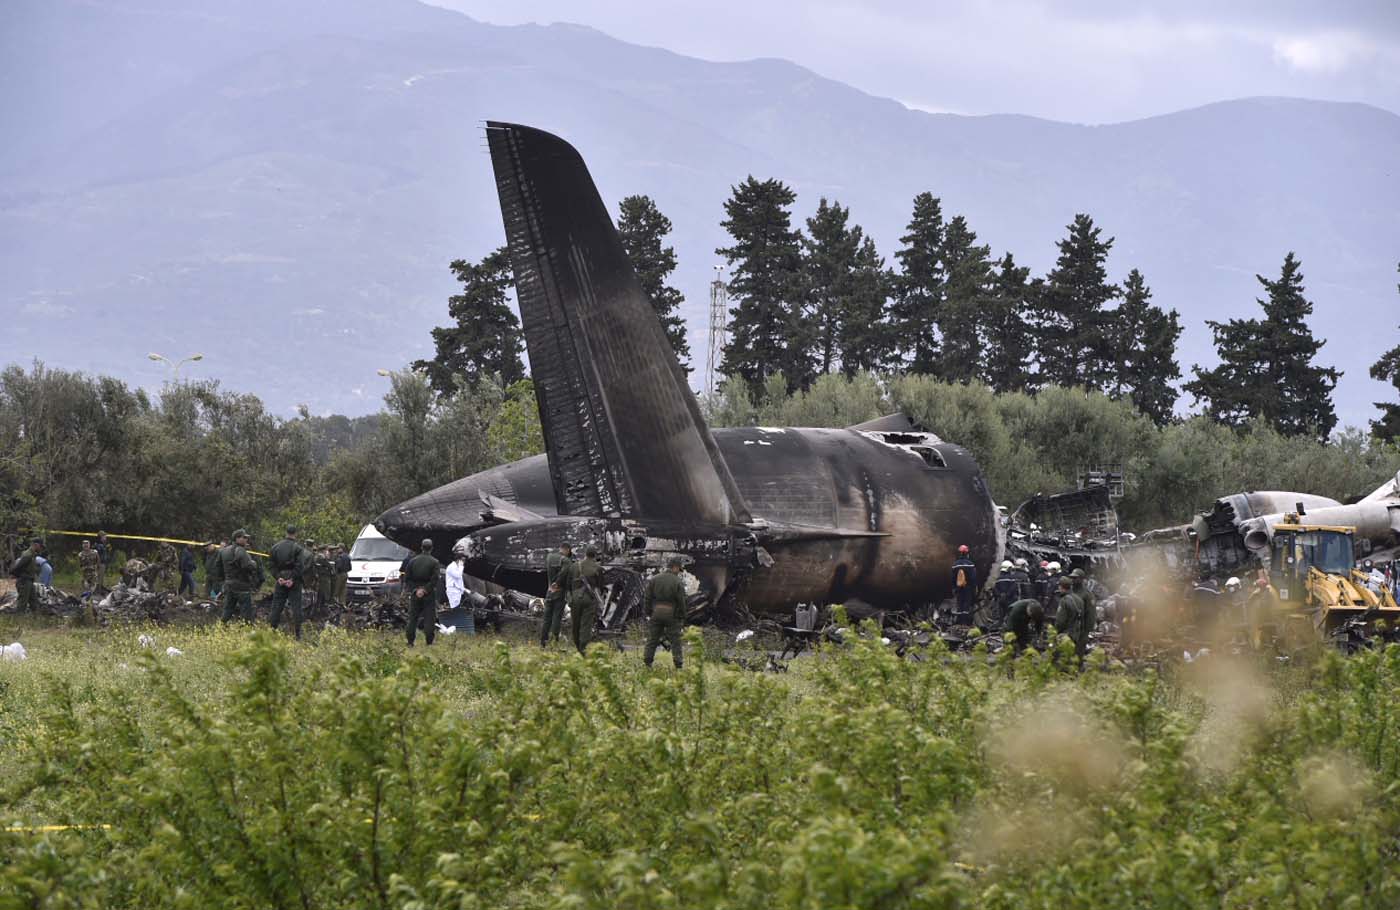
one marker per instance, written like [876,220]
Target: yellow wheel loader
[1313,569]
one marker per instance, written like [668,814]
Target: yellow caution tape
[93,535]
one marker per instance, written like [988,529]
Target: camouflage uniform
[167,567]
[90,565]
[134,573]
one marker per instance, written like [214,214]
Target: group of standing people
[32,570]
[1024,595]
[578,583]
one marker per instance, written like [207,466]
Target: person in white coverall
[456,585]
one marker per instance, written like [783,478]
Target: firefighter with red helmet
[964,586]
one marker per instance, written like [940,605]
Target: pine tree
[644,229]
[1142,344]
[484,339]
[865,342]
[1266,365]
[918,287]
[1073,347]
[1387,369]
[1007,343]
[966,275]
[828,272]
[767,330]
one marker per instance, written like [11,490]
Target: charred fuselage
[765,518]
[838,515]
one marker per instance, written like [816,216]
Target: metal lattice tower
[719,315]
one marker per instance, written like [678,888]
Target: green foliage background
[249,772]
[1028,444]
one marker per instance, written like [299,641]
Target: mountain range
[280,184]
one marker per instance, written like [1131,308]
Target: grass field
[250,771]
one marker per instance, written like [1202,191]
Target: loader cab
[1299,548]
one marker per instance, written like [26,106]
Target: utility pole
[719,316]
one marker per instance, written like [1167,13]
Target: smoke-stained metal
[766,517]
[622,429]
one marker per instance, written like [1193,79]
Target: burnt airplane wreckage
[764,518]
[1237,533]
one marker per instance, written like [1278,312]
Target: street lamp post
[174,367]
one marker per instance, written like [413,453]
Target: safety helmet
[1021,563]
[1077,573]
[963,549]
[1045,563]
[1232,583]
[1005,564]
[1054,567]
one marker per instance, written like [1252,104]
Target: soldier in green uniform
[1086,597]
[311,578]
[325,577]
[1069,617]
[90,565]
[665,608]
[585,580]
[289,561]
[420,580]
[556,567]
[342,572]
[239,577]
[1025,617]
[25,570]
[105,552]
[211,560]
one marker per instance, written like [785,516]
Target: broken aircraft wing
[622,430]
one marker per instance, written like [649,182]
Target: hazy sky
[1080,60]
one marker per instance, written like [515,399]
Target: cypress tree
[966,275]
[644,229]
[1007,343]
[1387,369]
[1143,344]
[865,341]
[1073,348]
[830,249]
[484,339]
[1266,365]
[767,330]
[918,287]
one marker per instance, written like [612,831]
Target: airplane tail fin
[622,428]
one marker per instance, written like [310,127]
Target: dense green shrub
[249,772]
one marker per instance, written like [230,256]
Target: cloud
[1323,54]
[46,308]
